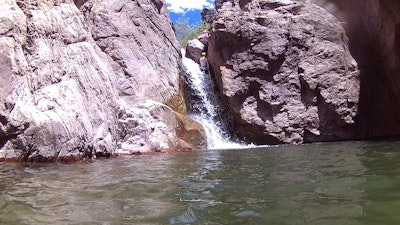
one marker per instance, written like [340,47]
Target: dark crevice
[397,41]
[300,70]
[260,74]
[159,5]
[275,65]
[308,96]
[231,41]
[98,38]
[3,141]
[265,110]
[28,151]
[270,6]
[3,120]
[103,155]
[243,3]
[79,3]
[236,102]
[329,123]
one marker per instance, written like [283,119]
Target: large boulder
[64,80]
[284,70]
[194,48]
[203,38]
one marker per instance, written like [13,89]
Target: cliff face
[90,82]
[285,71]
[134,34]
[374,31]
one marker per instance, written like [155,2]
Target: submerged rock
[284,70]
[65,74]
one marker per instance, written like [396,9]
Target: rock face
[285,71]
[373,28]
[78,84]
[145,39]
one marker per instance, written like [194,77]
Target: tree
[186,31]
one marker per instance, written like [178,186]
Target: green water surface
[333,183]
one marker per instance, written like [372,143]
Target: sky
[188,9]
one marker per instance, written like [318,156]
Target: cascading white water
[207,106]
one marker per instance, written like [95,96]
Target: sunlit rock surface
[68,77]
[139,39]
[285,71]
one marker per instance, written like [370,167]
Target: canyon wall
[90,78]
[374,31]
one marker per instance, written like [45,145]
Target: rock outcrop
[284,70]
[208,15]
[79,84]
[194,49]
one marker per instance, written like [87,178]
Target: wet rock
[194,49]
[152,126]
[191,133]
[285,71]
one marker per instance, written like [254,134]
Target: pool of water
[332,183]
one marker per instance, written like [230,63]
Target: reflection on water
[335,183]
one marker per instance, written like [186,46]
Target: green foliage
[186,31]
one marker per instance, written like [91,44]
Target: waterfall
[206,106]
